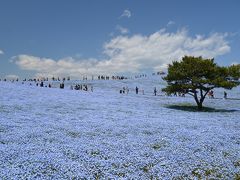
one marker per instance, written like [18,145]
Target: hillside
[52,133]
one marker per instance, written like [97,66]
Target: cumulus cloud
[122,30]
[12,77]
[160,48]
[61,67]
[126,13]
[1,51]
[131,54]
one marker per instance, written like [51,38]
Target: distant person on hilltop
[211,94]
[127,90]
[225,95]
[124,90]
[155,91]
[61,85]
[136,90]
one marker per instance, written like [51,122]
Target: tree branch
[190,94]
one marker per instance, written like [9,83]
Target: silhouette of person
[155,91]
[136,90]
[225,95]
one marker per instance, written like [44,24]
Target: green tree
[197,76]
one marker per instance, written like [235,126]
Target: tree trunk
[200,106]
[199,102]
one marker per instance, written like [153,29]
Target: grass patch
[95,153]
[121,174]
[237,163]
[149,133]
[214,172]
[159,145]
[147,168]
[70,154]
[226,154]
[73,134]
[237,177]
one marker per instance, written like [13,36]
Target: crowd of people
[83,87]
[126,90]
[46,82]
[102,77]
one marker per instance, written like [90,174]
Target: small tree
[197,76]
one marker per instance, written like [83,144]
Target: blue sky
[78,37]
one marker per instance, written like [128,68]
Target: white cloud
[160,48]
[126,13]
[12,77]
[235,63]
[1,51]
[170,23]
[65,67]
[122,30]
[131,54]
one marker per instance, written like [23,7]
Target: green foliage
[197,76]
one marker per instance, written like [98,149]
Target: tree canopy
[197,76]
